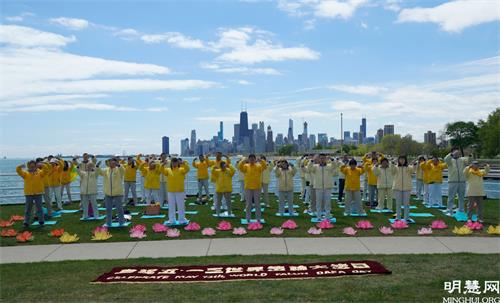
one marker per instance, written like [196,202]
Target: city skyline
[82,77]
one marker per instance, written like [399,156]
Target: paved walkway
[249,246]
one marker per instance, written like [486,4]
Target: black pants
[341,189]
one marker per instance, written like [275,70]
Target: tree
[390,144]
[462,134]
[489,135]
[286,150]
[318,147]
[408,146]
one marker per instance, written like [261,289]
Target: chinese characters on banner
[175,274]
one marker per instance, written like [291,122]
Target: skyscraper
[323,140]
[185,147]
[220,133]
[290,131]
[304,135]
[380,135]
[236,137]
[362,129]
[388,129]
[312,141]
[269,141]
[165,145]
[430,138]
[192,147]
[244,132]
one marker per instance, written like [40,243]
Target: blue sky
[109,76]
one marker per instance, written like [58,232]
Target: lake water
[11,185]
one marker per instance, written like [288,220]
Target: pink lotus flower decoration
[474,225]
[325,224]
[424,231]
[208,231]
[386,230]
[276,231]
[138,227]
[399,224]
[100,229]
[289,224]
[314,231]
[438,224]
[192,226]
[224,225]
[173,233]
[364,224]
[139,234]
[239,231]
[349,231]
[159,228]
[254,226]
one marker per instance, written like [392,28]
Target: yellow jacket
[385,178]
[130,172]
[425,168]
[435,171]
[176,177]
[151,177]
[55,174]
[372,178]
[216,164]
[475,186]
[202,168]
[352,177]
[66,174]
[253,174]
[402,177]
[266,174]
[285,178]
[33,181]
[224,179]
[112,180]
[322,176]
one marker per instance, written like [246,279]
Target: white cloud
[81,106]
[337,9]
[244,82]
[358,89]
[241,69]
[29,37]
[126,33]
[392,5]
[19,18]
[364,25]
[71,23]
[176,40]
[454,16]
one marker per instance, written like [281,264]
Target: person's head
[130,160]
[375,161]
[85,157]
[384,163]
[262,157]
[90,166]
[373,154]
[174,163]
[66,166]
[353,163]
[252,158]
[421,158]
[50,157]
[223,165]
[455,152]
[322,159]
[38,160]
[435,159]
[284,164]
[345,157]
[402,160]
[201,157]
[474,164]
[112,163]
[152,165]
[218,155]
[31,165]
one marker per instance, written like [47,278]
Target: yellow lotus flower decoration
[101,236]
[461,231]
[494,230]
[67,238]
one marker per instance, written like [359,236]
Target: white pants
[426,193]
[163,197]
[435,194]
[176,201]
[203,184]
[265,193]
[288,197]
[66,187]
[323,202]
[143,190]
[55,191]
[152,195]
[92,199]
[402,198]
[353,202]
[456,188]
[242,190]
[420,189]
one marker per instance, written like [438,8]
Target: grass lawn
[414,278]
[72,224]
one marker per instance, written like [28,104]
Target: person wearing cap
[456,179]
[475,189]
[33,189]
[152,172]
[284,174]
[113,190]
[202,164]
[176,176]
[252,171]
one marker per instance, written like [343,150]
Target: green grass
[72,224]
[414,278]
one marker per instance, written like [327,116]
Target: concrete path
[249,246]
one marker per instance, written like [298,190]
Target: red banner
[217,273]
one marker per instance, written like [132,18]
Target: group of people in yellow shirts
[163,180]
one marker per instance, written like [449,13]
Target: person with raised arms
[385,179]
[456,179]
[475,189]
[252,171]
[435,170]
[176,175]
[202,164]
[353,188]
[113,190]
[33,179]
[163,195]
[223,186]
[402,186]
[130,180]
[322,174]
[88,188]
[266,179]
[284,174]
[152,171]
